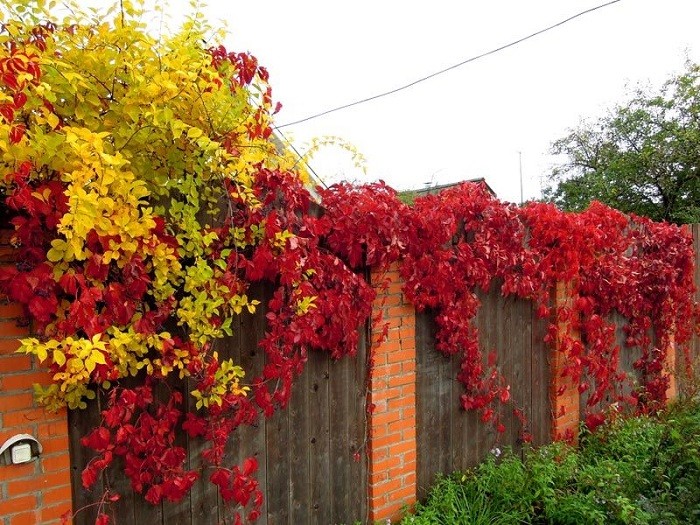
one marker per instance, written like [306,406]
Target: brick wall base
[38,492]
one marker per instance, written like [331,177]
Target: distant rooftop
[437,189]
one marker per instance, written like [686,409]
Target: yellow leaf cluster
[226,381]
[76,360]
[139,129]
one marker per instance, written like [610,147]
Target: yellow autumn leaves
[128,352]
[139,129]
[103,196]
[80,357]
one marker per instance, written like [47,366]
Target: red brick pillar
[671,368]
[671,361]
[392,420]
[564,394]
[37,492]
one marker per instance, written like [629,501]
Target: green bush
[676,496]
[632,471]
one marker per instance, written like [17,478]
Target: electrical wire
[450,68]
[301,157]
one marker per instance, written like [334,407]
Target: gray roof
[437,189]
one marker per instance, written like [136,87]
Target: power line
[301,157]
[450,68]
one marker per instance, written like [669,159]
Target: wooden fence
[695,343]
[305,453]
[307,470]
[627,357]
[448,437]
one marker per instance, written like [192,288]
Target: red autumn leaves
[13,72]
[451,244]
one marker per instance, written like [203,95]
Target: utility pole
[520,162]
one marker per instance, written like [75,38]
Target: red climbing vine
[464,239]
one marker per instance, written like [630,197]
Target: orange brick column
[564,394]
[392,420]
[671,368]
[37,492]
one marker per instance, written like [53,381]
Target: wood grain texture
[450,438]
[307,470]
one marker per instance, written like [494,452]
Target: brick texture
[392,428]
[28,490]
[564,394]
[671,368]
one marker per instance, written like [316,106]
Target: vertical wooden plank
[433,400]
[144,512]
[489,331]
[204,496]
[299,489]
[275,452]
[319,441]
[439,408]
[446,381]
[232,348]
[277,437]
[80,422]
[463,424]
[339,447]
[539,421]
[178,513]
[687,354]
[467,429]
[694,345]
[517,367]
[249,441]
[460,421]
[507,326]
[450,404]
[524,401]
[424,407]
[628,355]
[357,480]
[122,510]
[496,333]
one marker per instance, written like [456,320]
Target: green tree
[642,157]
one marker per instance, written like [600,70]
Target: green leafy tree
[642,157]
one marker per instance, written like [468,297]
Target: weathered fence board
[627,356]
[307,469]
[450,438]
[694,347]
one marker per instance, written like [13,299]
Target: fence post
[671,367]
[564,394]
[392,398]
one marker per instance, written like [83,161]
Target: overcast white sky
[472,121]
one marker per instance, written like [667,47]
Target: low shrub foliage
[638,470]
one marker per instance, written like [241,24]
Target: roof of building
[431,190]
